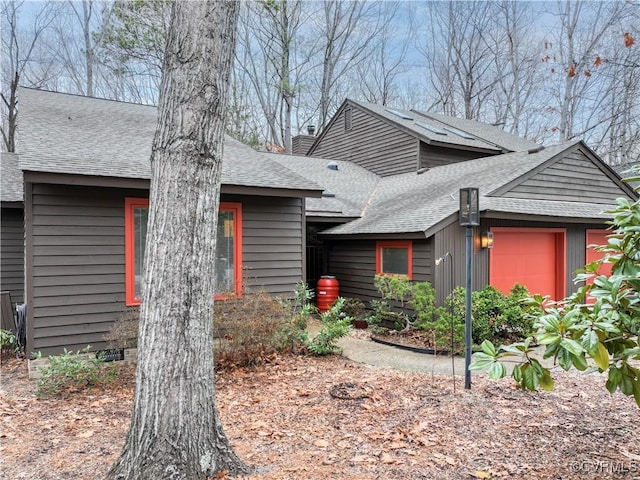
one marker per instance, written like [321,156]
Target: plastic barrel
[327,291]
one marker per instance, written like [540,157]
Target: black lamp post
[469,218]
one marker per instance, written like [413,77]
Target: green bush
[396,295]
[496,316]
[355,308]
[8,341]
[335,325]
[73,370]
[423,302]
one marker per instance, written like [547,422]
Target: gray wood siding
[12,253]
[78,267]
[435,156]
[273,243]
[353,263]
[574,178]
[371,143]
[451,272]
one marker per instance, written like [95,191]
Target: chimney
[300,144]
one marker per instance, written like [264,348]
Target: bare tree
[19,46]
[517,68]
[572,50]
[347,29]
[175,429]
[268,43]
[386,58]
[460,57]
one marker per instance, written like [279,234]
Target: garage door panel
[531,257]
[597,237]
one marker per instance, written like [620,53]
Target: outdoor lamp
[469,207]
[486,240]
[469,218]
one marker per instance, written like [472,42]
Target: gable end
[571,177]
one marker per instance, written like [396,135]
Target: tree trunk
[175,431]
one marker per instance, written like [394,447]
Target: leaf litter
[316,418]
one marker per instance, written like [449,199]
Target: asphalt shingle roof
[351,184]
[480,135]
[490,133]
[414,202]
[10,178]
[71,134]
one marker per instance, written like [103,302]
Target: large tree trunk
[175,431]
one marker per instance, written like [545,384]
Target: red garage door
[597,237]
[533,257]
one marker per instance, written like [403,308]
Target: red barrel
[327,291]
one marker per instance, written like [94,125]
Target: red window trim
[129,255]
[236,208]
[130,249]
[408,244]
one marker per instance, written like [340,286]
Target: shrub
[77,370]
[495,315]
[355,308]
[423,302]
[335,325]
[8,341]
[398,293]
[251,329]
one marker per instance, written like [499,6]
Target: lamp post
[469,218]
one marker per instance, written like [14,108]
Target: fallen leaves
[283,419]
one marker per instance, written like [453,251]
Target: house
[85,168]
[11,228]
[378,192]
[392,192]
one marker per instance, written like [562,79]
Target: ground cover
[301,417]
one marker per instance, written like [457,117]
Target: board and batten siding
[76,259]
[573,178]
[12,253]
[371,143]
[353,263]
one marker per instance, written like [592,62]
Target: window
[228,249]
[394,258]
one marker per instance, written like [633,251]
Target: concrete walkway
[379,355]
[372,353]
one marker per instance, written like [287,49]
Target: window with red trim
[394,258]
[228,249]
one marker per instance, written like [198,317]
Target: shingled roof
[72,134]
[419,203]
[347,186]
[10,179]
[443,130]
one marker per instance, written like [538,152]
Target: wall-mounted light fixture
[486,240]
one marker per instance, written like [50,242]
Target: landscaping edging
[428,351]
